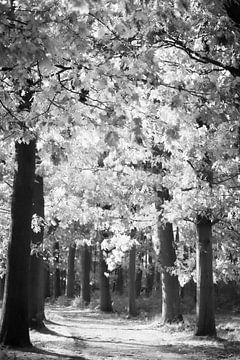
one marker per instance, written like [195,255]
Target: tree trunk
[119,281]
[86,267]
[14,330]
[170,284]
[2,283]
[205,290]
[71,271]
[47,281]
[36,278]
[36,292]
[56,272]
[139,272]
[131,282]
[167,256]
[105,297]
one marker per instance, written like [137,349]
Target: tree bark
[205,290]
[86,267]
[105,296]
[14,330]
[132,282]
[167,256]
[36,278]
[71,270]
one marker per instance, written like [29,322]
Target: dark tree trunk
[36,295]
[119,281]
[150,276]
[131,282]
[2,283]
[167,256]
[105,296]
[47,291]
[14,330]
[138,283]
[86,267]
[71,270]
[205,290]
[56,272]
[170,284]
[36,278]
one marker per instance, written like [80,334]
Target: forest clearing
[120,179]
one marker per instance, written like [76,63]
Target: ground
[88,334]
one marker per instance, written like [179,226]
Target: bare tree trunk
[131,283]
[205,290]
[105,296]
[14,330]
[71,270]
[86,267]
[167,256]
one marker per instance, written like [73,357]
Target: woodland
[120,179]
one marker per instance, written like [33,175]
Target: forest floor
[88,334]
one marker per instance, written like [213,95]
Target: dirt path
[88,335]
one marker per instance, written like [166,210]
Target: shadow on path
[35,350]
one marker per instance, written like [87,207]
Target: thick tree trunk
[205,290]
[132,282]
[167,256]
[36,278]
[56,272]
[105,296]
[14,330]
[71,270]
[37,292]
[170,284]
[86,267]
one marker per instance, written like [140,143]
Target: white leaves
[37,223]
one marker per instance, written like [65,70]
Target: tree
[167,257]
[14,321]
[205,291]
[131,281]
[85,274]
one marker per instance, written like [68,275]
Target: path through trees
[92,335]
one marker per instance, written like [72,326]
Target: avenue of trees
[120,143]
